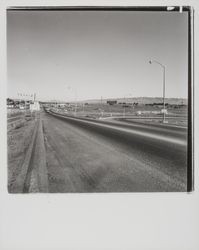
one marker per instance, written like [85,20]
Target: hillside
[142,100]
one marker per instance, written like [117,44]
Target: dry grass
[178,115]
[18,140]
[171,121]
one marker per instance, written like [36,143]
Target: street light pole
[164,113]
[164,83]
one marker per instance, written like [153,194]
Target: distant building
[10,105]
[21,107]
[35,106]
[111,102]
[164,111]
[62,105]
[156,112]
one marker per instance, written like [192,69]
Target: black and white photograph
[98,100]
[99,125]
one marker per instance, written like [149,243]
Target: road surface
[113,156]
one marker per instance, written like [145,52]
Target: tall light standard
[164,75]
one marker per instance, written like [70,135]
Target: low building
[10,106]
[155,112]
[164,111]
[35,106]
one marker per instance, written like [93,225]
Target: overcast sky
[62,55]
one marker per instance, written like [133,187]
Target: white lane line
[144,134]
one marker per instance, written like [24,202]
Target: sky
[80,55]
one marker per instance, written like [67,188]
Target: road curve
[112,156]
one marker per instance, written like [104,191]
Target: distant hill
[142,100]
[139,100]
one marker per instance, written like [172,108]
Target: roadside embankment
[26,157]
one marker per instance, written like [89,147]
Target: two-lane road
[113,156]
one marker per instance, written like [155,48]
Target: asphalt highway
[86,155]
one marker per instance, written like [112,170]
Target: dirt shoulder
[18,140]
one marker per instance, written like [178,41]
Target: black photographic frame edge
[190,80]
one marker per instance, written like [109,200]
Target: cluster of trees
[128,103]
[16,103]
[166,104]
[156,104]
